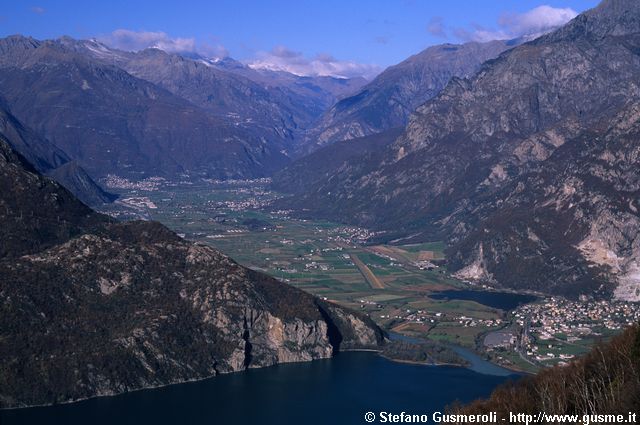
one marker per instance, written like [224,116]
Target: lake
[502,300]
[338,390]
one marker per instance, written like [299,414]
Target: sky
[320,37]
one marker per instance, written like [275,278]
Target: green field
[318,257]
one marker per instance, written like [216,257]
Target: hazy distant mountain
[276,105]
[392,96]
[303,174]
[49,159]
[92,307]
[112,122]
[323,90]
[528,169]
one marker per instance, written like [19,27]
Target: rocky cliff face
[569,225]
[510,166]
[116,307]
[388,101]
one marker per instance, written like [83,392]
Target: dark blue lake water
[334,391]
[502,300]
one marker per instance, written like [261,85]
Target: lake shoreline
[348,384]
[187,381]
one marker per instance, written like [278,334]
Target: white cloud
[38,10]
[535,22]
[481,34]
[133,41]
[281,58]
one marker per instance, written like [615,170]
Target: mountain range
[388,100]
[112,122]
[526,169]
[521,155]
[140,114]
[275,105]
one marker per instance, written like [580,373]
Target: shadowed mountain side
[391,97]
[48,159]
[77,181]
[113,307]
[112,122]
[301,175]
[35,211]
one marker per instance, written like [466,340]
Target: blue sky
[357,35]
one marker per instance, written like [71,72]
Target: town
[395,285]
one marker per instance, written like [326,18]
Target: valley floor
[405,289]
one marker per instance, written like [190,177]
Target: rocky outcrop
[105,307]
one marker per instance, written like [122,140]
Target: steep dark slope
[77,181]
[471,149]
[114,307]
[48,159]
[391,97]
[38,151]
[36,212]
[112,122]
[303,174]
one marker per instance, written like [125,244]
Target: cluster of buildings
[253,182]
[557,315]
[247,197]
[555,324]
[149,184]
[317,266]
[251,203]
[425,317]
[350,235]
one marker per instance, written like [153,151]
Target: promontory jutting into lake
[247,212]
